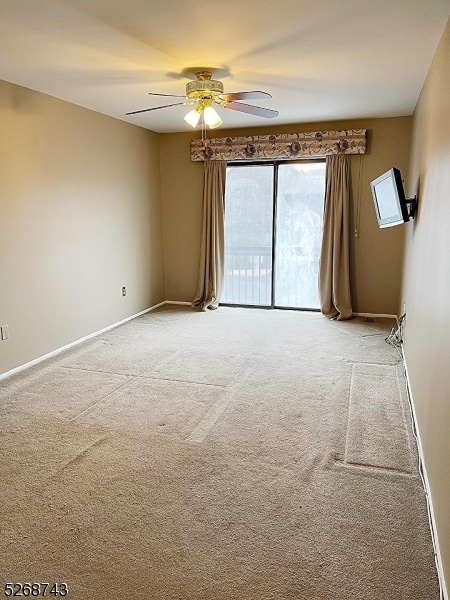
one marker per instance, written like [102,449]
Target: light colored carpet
[232,455]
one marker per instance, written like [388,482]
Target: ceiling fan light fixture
[212,119]
[193,117]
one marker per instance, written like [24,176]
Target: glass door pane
[300,201]
[248,235]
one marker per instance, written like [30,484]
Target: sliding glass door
[273,228]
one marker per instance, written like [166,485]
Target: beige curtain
[334,272]
[212,248]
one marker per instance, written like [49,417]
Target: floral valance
[280,146]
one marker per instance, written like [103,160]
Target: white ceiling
[320,59]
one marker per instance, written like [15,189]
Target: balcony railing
[248,275]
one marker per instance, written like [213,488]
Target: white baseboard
[355,314]
[434,533]
[374,315]
[36,361]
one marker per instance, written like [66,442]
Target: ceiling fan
[203,92]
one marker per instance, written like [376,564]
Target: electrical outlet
[124,291]
[4,332]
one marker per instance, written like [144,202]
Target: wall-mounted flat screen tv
[389,199]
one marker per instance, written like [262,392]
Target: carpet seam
[103,399]
[349,414]
[216,411]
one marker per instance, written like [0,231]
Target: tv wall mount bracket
[411,206]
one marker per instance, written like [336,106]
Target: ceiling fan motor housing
[204,87]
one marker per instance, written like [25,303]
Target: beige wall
[181,192]
[426,290]
[377,255]
[80,216]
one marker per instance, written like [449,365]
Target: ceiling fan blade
[255,95]
[167,95]
[135,112]
[253,110]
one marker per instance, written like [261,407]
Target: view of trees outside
[249,224]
